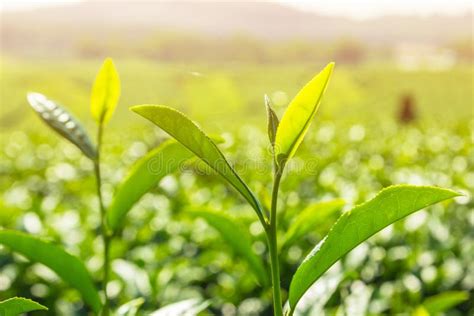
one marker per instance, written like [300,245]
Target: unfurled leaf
[188,307]
[298,116]
[311,218]
[272,120]
[69,268]
[357,225]
[437,304]
[192,137]
[63,122]
[130,308]
[144,175]
[236,237]
[19,305]
[105,92]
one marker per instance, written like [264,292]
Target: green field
[355,147]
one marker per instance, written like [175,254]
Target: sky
[360,9]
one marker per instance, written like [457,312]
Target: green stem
[106,237]
[273,247]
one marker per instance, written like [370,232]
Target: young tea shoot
[351,229]
[104,99]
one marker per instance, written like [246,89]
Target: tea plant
[351,229]
[104,98]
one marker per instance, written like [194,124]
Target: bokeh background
[398,110]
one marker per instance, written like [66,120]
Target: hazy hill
[56,28]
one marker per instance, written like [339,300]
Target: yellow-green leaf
[105,92]
[298,116]
[19,305]
[357,225]
[69,268]
[145,174]
[192,137]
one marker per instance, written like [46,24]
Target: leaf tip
[135,108]
[32,94]
[109,63]
[139,109]
[452,193]
[33,98]
[330,68]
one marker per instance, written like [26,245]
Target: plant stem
[273,247]
[106,238]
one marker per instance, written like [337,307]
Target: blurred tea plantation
[356,146]
[392,114]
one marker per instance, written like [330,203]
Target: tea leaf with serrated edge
[19,305]
[69,268]
[357,225]
[63,122]
[192,137]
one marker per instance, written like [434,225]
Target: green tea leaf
[437,304]
[19,305]
[192,306]
[272,120]
[67,267]
[357,225]
[236,237]
[143,176]
[298,116]
[310,218]
[63,122]
[192,137]
[105,92]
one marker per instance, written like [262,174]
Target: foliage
[175,259]
[18,305]
[351,229]
[68,267]
[237,238]
[145,174]
[188,133]
[358,224]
